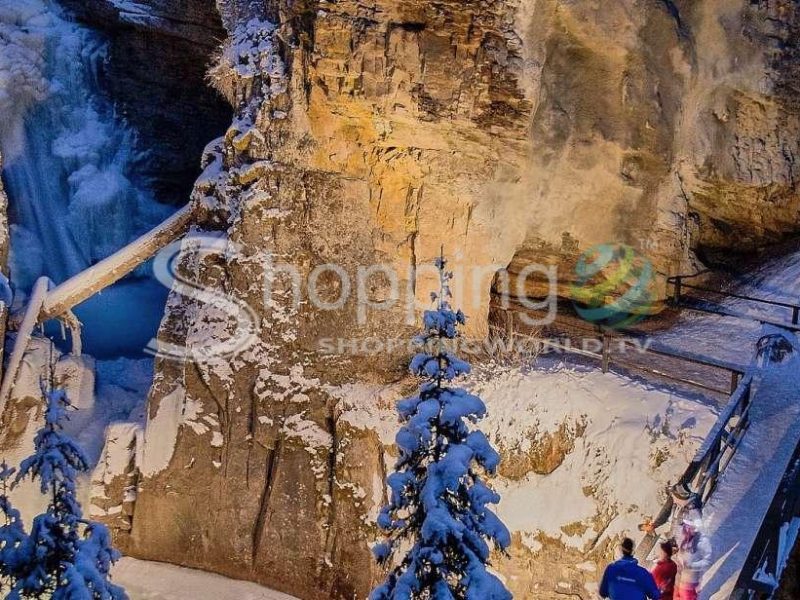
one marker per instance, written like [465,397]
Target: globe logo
[612,286]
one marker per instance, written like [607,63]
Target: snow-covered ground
[144,580]
[630,441]
[621,441]
[733,338]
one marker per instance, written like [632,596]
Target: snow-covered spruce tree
[65,557]
[438,504]
[12,532]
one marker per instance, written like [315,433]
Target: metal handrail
[677,282]
[699,304]
[739,400]
[732,295]
[721,452]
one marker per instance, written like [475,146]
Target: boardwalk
[737,508]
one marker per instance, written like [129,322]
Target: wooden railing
[608,358]
[617,346]
[711,459]
[678,298]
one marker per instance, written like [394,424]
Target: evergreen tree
[438,502]
[65,557]
[12,532]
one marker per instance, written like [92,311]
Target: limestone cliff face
[508,131]
[666,126]
[736,143]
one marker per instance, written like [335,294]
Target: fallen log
[57,303]
[108,271]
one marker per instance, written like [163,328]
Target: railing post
[746,403]
[735,377]
[676,297]
[606,350]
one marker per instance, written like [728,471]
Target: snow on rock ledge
[619,445]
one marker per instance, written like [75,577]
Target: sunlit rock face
[526,132]
[354,145]
[743,129]
[158,55]
[379,133]
[665,126]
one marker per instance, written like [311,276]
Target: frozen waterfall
[70,173]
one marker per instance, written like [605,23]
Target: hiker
[686,504]
[694,557]
[666,571]
[626,580]
[688,507]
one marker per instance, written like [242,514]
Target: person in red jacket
[666,571]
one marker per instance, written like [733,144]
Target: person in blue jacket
[626,580]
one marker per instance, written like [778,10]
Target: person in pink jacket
[694,558]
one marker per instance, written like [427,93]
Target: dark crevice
[330,529]
[411,27]
[674,11]
[383,475]
[331,424]
[259,527]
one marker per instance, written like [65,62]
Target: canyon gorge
[504,133]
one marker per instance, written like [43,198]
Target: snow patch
[368,407]
[637,440]
[312,435]
[161,433]
[145,580]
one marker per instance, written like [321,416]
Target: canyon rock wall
[158,57]
[505,131]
